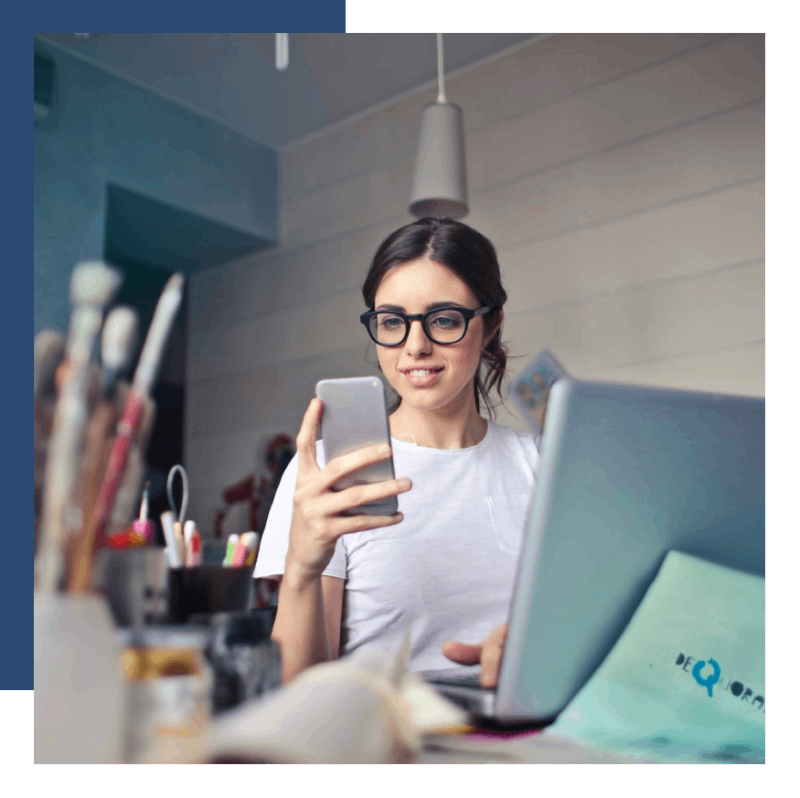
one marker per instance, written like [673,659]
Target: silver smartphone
[354,416]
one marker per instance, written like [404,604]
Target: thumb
[463,653]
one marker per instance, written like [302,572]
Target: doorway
[148,241]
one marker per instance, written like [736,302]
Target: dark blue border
[16,664]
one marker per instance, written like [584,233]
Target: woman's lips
[422,381]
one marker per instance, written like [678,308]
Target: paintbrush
[49,347]
[92,288]
[130,487]
[43,418]
[116,349]
[143,379]
[117,346]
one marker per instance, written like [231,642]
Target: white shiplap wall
[621,178]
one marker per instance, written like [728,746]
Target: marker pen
[168,526]
[143,528]
[252,549]
[177,534]
[192,543]
[197,549]
[233,541]
[240,554]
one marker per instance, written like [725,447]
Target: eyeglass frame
[467,313]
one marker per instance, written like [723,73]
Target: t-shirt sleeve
[275,540]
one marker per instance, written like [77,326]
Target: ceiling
[231,77]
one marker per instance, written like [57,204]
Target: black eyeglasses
[445,325]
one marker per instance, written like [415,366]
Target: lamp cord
[440,58]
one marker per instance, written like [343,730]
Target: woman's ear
[495,329]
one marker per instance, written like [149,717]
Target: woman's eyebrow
[432,306]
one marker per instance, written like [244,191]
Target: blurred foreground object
[366,708]
[78,698]
[168,686]
[246,662]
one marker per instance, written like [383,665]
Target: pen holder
[209,589]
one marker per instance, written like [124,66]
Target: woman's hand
[488,653]
[317,522]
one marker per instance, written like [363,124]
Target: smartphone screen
[354,416]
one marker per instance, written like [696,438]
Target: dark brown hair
[470,256]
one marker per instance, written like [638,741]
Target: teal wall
[107,130]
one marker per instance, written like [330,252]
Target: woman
[445,563]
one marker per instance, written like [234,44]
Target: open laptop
[627,474]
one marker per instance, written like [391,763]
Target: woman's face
[412,288]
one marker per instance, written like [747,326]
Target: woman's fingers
[489,654]
[462,653]
[306,441]
[360,523]
[336,503]
[492,656]
[346,464]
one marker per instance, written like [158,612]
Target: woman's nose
[417,341]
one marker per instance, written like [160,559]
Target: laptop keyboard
[457,678]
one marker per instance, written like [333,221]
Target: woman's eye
[446,322]
[392,322]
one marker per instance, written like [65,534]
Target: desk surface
[451,749]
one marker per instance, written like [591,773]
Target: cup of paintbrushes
[124,472]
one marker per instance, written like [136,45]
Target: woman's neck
[438,429]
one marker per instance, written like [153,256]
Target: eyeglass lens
[444,327]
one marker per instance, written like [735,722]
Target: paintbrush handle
[64,452]
[97,454]
[59,483]
[115,470]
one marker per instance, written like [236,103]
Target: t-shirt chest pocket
[509,513]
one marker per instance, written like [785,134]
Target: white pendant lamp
[281,51]
[440,176]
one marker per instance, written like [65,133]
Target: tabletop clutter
[132,639]
[144,653]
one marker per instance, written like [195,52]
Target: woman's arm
[300,625]
[308,622]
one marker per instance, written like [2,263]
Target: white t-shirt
[448,567]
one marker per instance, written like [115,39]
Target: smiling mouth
[422,372]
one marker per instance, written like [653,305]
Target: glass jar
[169,688]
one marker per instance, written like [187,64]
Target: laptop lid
[628,473]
